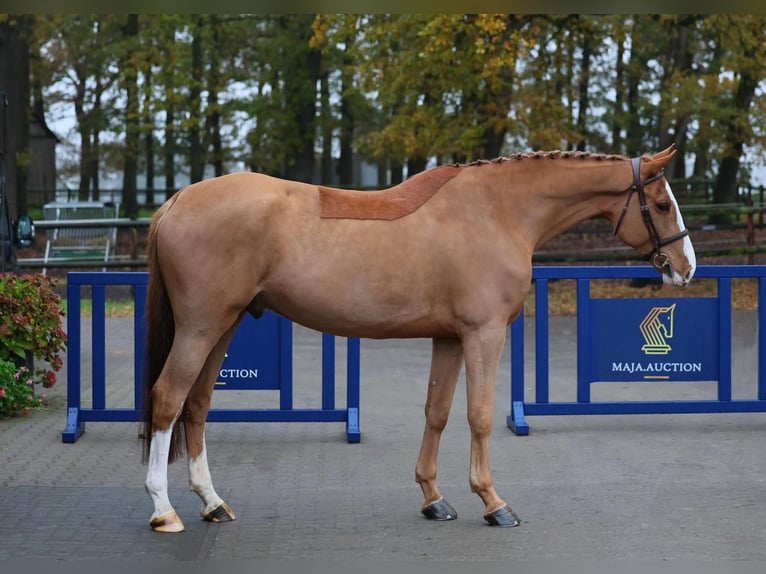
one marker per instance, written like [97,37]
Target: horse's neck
[555,194]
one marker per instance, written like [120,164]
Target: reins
[657,258]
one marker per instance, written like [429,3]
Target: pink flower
[2,392]
[16,375]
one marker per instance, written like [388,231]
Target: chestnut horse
[446,255]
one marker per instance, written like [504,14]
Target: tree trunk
[304,159]
[85,152]
[132,129]
[634,142]
[397,172]
[327,131]
[619,74]
[382,174]
[213,112]
[170,146]
[148,134]
[196,153]
[346,161]
[415,165]
[582,88]
[169,149]
[95,152]
[14,80]
[681,62]
[500,102]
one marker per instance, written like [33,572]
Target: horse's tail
[160,329]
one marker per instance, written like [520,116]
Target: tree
[15,36]
[300,87]
[78,53]
[402,89]
[442,84]
[169,97]
[196,152]
[561,83]
[744,37]
[130,57]
[344,121]
[676,88]
[284,106]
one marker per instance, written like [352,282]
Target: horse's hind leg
[446,363]
[164,518]
[214,509]
[184,363]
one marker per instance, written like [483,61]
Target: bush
[30,328]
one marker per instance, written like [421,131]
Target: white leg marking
[157,474]
[201,483]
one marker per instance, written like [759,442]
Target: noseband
[656,256]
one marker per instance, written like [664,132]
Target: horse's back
[226,206]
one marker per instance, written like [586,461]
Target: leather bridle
[656,256]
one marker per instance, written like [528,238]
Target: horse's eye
[663,207]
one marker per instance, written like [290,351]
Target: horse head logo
[656,328]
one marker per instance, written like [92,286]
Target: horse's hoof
[169,522]
[439,510]
[221,513]
[503,517]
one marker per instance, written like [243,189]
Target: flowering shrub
[17,392]
[30,328]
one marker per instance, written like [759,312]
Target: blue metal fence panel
[654,340]
[78,415]
[761,341]
[520,407]
[241,370]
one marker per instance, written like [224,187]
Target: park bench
[80,241]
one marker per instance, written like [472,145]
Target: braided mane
[556,154]
[408,196]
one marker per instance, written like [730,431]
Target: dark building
[41,176]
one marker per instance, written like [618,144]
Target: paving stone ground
[589,488]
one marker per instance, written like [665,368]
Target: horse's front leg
[214,509]
[446,363]
[483,348]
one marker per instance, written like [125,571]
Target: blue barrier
[275,371]
[608,351]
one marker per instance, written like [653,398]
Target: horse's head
[652,223]
[665,320]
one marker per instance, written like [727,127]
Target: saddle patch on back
[386,204]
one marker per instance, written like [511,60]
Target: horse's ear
[661,159]
[670,151]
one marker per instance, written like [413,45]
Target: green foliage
[443,83]
[17,390]
[408,87]
[30,324]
